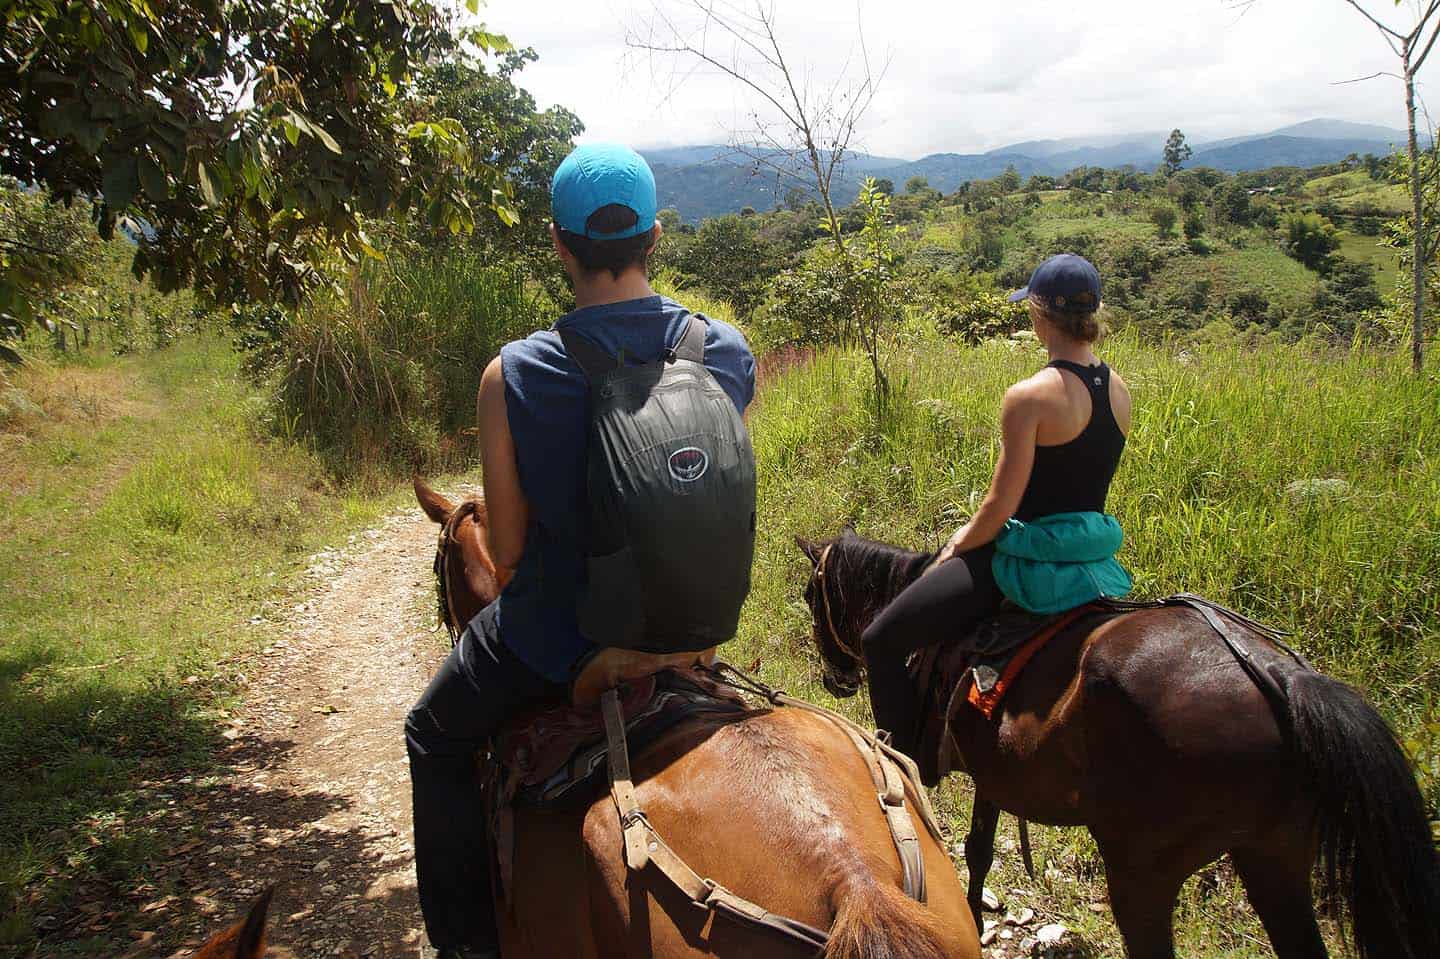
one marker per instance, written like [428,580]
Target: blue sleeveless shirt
[547,402]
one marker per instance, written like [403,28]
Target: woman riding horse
[1176,733]
[1062,433]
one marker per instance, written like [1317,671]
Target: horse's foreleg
[980,853]
[1279,888]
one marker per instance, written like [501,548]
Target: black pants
[479,686]
[941,604]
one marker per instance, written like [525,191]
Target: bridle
[825,604]
[442,549]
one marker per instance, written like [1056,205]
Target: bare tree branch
[1387,31]
[1376,74]
[1417,62]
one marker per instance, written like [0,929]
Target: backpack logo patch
[689,464]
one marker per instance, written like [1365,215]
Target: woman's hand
[951,549]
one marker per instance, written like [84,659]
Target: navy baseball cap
[1065,282]
[599,175]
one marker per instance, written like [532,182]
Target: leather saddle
[556,753]
[975,670]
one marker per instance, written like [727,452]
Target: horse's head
[842,665]
[851,580]
[245,939]
[466,578]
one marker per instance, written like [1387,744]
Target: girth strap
[643,845]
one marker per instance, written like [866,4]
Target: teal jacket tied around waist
[1058,562]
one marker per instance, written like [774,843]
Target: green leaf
[139,36]
[207,186]
[119,182]
[153,180]
[235,156]
[324,137]
[474,6]
[292,130]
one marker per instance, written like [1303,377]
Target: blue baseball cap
[1065,282]
[599,175]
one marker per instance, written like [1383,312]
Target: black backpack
[671,486]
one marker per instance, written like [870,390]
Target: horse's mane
[869,574]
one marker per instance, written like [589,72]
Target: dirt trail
[316,790]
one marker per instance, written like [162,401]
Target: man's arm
[509,512]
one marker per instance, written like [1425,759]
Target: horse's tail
[1375,848]
[875,920]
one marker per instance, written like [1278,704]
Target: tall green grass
[386,375]
[1215,491]
[1206,498]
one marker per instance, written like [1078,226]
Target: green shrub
[1309,238]
[984,314]
[1164,217]
[385,376]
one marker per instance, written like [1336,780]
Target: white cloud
[966,76]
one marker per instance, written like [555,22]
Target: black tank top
[1075,477]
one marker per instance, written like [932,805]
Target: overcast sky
[967,76]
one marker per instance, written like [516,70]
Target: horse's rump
[768,804]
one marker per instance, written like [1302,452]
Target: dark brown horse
[776,805]
[1146,730]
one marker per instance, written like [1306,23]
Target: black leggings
[938,606]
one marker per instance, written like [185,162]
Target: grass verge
[146,529]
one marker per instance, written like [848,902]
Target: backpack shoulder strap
[692,342]
[592,360]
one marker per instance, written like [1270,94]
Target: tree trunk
[1420,249]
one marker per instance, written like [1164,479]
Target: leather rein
[442,552]
[825,603]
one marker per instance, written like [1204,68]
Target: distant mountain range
[710,180]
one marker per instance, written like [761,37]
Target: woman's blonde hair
[1085,326]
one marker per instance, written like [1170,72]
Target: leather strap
[632,818]
[889,769]
[1218,618]
[643,846]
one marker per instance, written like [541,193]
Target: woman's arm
[1019,421]
[506,505]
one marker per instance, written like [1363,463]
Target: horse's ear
[810,548]
[849,530]
[250,944]
[437,507]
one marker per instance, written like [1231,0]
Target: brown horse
[776,805]
[1146,730]
[245,939]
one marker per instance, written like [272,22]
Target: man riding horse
[533,419]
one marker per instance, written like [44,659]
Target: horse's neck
[908,568]
[905,568]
